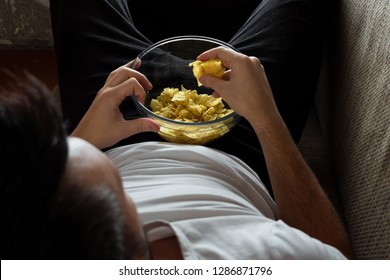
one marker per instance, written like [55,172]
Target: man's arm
[300,200]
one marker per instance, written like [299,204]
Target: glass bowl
[166,65]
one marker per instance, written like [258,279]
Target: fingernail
[155,128]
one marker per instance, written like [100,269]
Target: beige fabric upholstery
[357,121]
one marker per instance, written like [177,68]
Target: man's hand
[103,124]
[244,85]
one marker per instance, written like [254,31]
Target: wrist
[78,133]
[266,119]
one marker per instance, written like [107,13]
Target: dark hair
[33,153]
[85,223]
[39,221]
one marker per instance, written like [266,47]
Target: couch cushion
[359,122]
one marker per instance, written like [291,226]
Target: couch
[353,113]
[347,137]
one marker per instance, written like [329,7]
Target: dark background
[217,19]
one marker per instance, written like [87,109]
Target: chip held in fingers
[211,67]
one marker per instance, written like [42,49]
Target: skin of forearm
[79,132]
[300,199]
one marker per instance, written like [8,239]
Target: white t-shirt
[213,202]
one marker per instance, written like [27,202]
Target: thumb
[212,82]
[139,125]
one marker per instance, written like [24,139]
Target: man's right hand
[244,86]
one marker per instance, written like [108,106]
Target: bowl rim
[183,38]
[232,115]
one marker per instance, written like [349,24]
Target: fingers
[215,83]
[125,129]
[227,56]
[229,59]
[127,88]
[125,81]
[135,64]
[132,127]
[124,72]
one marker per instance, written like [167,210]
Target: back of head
[39,221]
[33,155]
[84,223]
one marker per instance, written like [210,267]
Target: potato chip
[188,106]
[212,67]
